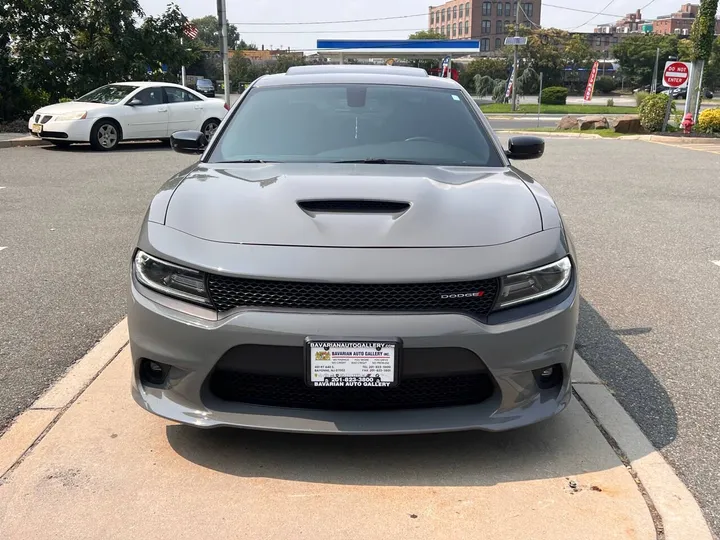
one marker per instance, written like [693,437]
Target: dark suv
[205,87]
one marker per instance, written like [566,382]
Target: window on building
[528,9]
[467,9]
[607,41]
[460,12]
[507,9]
[499,9]
[615,39]
[442,13]
[598,42]
[485,44]
[432,17]
[467,26]
[499,27]
[447,30]
[455,12]
[454,30]
[514,8]
[486,9]
[486,27]
[498,43]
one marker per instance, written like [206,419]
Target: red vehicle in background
[454,73]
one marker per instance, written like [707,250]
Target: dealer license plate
[37,128]
[353,363]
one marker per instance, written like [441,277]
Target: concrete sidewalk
[13,140]
[86,462]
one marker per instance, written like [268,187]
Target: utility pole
[222,20]
[515,61]
[653,85]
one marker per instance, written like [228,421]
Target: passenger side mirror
[134,102]
[188,142]
[525,147]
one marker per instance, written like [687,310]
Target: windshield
[332,123]
[109,95]
[204,82]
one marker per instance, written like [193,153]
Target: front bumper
[191,342]
[69,131]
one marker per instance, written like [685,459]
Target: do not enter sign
[676,74]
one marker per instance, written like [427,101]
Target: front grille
[350,206]
[229,293]
[292,392]
[45,119]
[37,118]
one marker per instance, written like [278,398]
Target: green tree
[636,55]
[545,53]
[712,69]
[702,34]
[426,34]
[209,33]
[685,50]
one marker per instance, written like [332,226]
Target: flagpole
[183,66]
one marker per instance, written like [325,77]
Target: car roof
[146,84]
[356,74]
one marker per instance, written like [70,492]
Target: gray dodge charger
[353,253]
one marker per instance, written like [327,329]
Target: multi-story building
[680,22]
[632,22]
[484,20]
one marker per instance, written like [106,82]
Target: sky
[304,37]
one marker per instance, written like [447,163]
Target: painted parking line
[1,248]
[716,262]
[707,148]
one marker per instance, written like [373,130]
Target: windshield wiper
[382,161]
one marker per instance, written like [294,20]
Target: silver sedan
[353,253]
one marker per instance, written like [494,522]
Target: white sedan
[127,111]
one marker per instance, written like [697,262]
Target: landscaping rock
[568,123]
[592,122]
[629,123]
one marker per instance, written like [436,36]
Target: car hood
[263,204]
[70,106]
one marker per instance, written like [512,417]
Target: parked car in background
[647,88]
[205,87]
[127,111]
[681,93]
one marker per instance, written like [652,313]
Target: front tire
[105,135]
[210,127]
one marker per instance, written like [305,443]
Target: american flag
[190,31]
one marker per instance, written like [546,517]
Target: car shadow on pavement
[627,377]
[122,147]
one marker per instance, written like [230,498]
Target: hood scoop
[353,206]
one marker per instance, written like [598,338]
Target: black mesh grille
[470,297]
[292,392]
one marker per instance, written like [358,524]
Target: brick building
[484,20]
[679,22]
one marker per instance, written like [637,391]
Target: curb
[30,427]
[23,141]
[684,140]
[674,511]
[552,134]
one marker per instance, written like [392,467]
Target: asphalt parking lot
[643,218]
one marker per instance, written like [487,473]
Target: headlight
[80,115]
[534,284]
[170,279]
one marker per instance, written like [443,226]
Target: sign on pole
[677,74]
[516,40]
[590,88]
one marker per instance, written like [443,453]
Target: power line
[581,10]
[329,22]
[650,3]
[242,32]
[591,19]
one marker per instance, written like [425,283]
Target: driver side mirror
[525,147]
[188,142]
[134,102]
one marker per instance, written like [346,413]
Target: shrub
[611,102]
[605,85]
[640,97]
[554,95]
[484,85]
[652,111]
[709,121]
[64,100]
